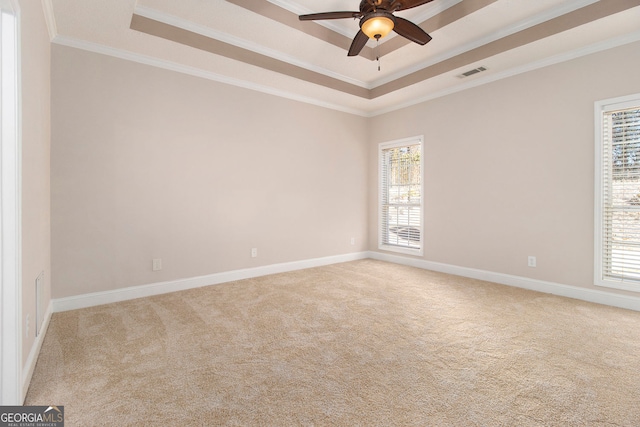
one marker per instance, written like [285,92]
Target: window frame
[600,109]
[414,140]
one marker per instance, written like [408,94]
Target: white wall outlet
[353,240]
[254,252]
[531,261]
[157,264]
[39,302]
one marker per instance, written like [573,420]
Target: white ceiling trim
[241,43]
[355,106]
[50,19]
[432,9]
[507,31]
[198,72]
[479,81]
[556,59]
[300,10]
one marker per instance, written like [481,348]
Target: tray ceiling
[261,45]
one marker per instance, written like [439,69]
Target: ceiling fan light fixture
[377,21]
[377,24]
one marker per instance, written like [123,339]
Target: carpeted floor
[365,343]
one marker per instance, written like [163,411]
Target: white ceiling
[486,37]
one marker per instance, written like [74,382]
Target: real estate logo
[31,416]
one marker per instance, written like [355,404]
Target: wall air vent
[472,72]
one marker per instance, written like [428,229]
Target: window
[617,198]
[401,204]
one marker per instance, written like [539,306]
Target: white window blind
[401,201]
[618,194]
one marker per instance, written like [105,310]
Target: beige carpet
[364,343]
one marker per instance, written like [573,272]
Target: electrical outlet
[39,303]
[254,252]
[531,261]
[353,240]
[157,264]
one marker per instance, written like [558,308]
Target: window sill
[624,285]
[398,249]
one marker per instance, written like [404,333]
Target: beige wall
[509,167]
[148,163]
[36,136]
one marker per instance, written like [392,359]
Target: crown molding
[241,43]
[197,72]
[497,35]
[556,59]
[432,9]
[297,9]
[49,17]
[479,81]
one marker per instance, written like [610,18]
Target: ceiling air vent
[472,72]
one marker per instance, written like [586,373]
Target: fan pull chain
[378,50]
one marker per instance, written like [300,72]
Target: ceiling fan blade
[329,15]
[411,31]
[358,43]
[407,4]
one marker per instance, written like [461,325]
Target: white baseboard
[591,295]
[30,365]
[107,297]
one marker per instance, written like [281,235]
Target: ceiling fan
[377,20]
